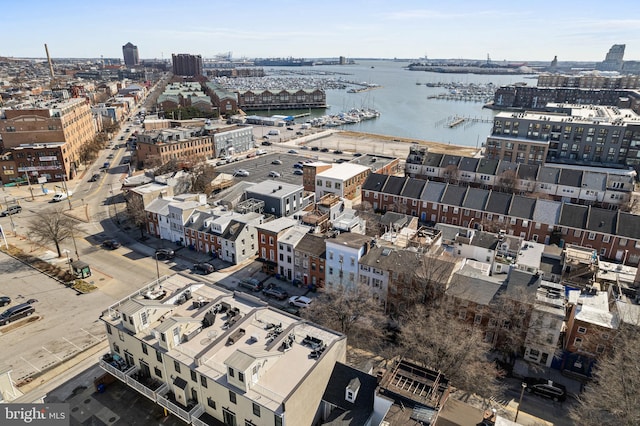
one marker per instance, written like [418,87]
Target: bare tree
[137,213]
[508,180]
[612,397]
[353,312]
[451,173]
[201,177]
[451,347]
[52,226]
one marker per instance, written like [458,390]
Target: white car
[241,173]
[274,174]
[300,301]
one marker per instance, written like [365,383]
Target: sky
[505,30]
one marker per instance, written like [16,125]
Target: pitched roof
[475,199]
[413,188]
[573,215]
[454,195]
[433,160]
[375,182]
[313,245]
[433,191]
[498,202]
[570,177]
[528,171]
[628,225]
[394,185]
[488,166]
[345,412]
[548,175]
[469,164]
[522,207]
[469,284]
[506,166]
[602,220]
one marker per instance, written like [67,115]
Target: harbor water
[408,107]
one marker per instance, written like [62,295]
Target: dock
[456,122]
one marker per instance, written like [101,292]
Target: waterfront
[403,101]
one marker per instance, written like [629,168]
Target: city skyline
[574,31]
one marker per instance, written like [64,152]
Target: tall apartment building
[46,139]
[614,59]
[130,53]
[211,356]
[187,65]
[578,134]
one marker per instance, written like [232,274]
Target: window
[109,329]
[158,356]
[592,235]
[157,371]
[241,376]
[277,420]
[582,330]
[203,381]
[232,372]
[143,318]
[577,342]
[176,366]
[477,319]
[144,349]
[194,376]
[116,347]
[606,238]
[256,409]
[211,403]
[232,397]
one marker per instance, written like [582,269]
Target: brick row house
[614,234]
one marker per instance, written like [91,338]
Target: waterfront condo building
[211,356]
[575,134]
[45,139]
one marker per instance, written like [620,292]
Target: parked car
[163,253]
[203,268]
[11,210]
[298,172]
[292,151]
[274,174]
[221,163]
[299,133]
[324,150]
[121,138]
[546,388]
[94,177]
[261,152]
[266,143]
[276,162]
[315,148]
[337,151]
[5,300]
[298,166]
[16,312]
[110,157]
[291,310]
[357,154]
[275,292]
[111,244]
[300,301]
[289,128]
[252,284]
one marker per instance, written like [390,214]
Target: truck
[305,126]
[274,132]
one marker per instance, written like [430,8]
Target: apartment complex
[592,80]
[282,99]
[45,139]
[211,356]
[343,180]
[187,65]
[583,134]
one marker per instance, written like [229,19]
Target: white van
[274,132]
[60,196]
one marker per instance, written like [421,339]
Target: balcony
[188,413]
[116,366]
[148,386]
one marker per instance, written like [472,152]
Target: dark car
[111,244]
[298,166]
[357,154]
[11,210]
[315,148]
[324,150]
[16,312]
[5,300]
[298,172]
[203,268]
[266,143]
[289,128]
[546,388]
[252,284]
[337,151]
[276,292]
[299,133]
[94,178]
[163,253]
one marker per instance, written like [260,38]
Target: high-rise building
[130,53]
[187,65]
[614,59]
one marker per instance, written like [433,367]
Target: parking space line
[31,364]
[95,337]
[71,343]
[60,359]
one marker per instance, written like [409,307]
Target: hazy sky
[512,30]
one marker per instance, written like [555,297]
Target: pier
[455,120]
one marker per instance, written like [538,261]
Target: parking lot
[260,167]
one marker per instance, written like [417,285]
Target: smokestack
[49,61]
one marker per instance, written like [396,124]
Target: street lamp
[65,251]
[524,386]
